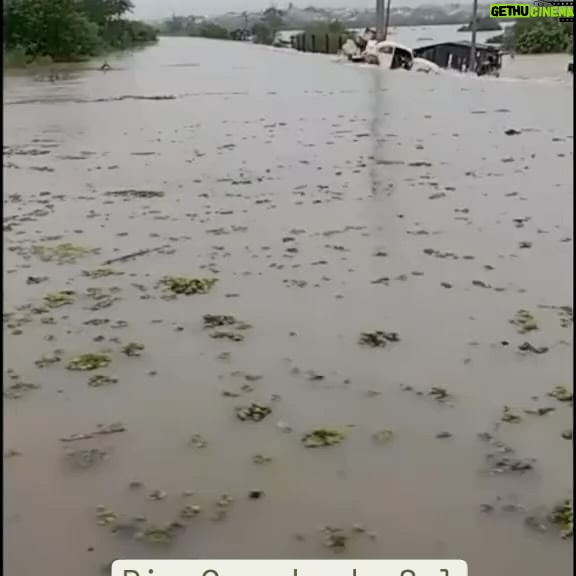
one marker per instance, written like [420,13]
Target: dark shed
[457,54]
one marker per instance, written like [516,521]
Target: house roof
[460,44]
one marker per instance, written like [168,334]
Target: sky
[152,9]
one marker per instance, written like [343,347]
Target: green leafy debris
[561,393]
[563,517]
[89,361]
[66,253]
[61,298]
[188,286]
[101,380]
[254,412]
[321,437]
[524,322]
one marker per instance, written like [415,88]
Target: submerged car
[389,54]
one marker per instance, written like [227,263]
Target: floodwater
[528,67]
[328,200]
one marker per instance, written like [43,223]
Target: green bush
[68,30]
[211,30]
[540,36]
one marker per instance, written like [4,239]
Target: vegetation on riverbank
[536,36]
[37,31]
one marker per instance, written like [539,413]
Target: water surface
[328,200]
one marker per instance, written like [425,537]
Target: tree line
[69,30]
[263,30]
[536,36]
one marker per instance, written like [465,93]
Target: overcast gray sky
[150,9]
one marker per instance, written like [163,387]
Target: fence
[329,43]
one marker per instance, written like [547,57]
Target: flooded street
[393,262]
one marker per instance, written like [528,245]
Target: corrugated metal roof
[460,43]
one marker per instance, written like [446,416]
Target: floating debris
[157,495]
[218,320]
[524,321]
[188,286]
[567,434]
[383,436]
[565,313]
[36,279]
[378,338]
[198,441]
[284,427]
[322,437]
[562,394]
[98,380]
[227,335]
[106,517]
[135,193]
[540,411]
[131,255]
[261,459]
[509,416]
[84,459]
[62,298]
[254,412]
[100,273]
[133,349]
[563,517]
[161,534]
[66,253]
[189,512]
[19,389]
[255,494]
[49,359]
[527,347]
[335,538]
[89,361]
[439,393]
[503,464]
[442,435]
[221,507]
[102,429]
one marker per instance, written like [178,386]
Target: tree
[102,11]
[68,30]
[273,18]
[270,23]
[539,36]
[55,28]
[211,30]
[263,34]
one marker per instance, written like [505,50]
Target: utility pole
[387,21]
[472,63]
[380,30]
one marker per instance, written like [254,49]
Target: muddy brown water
[287,177]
